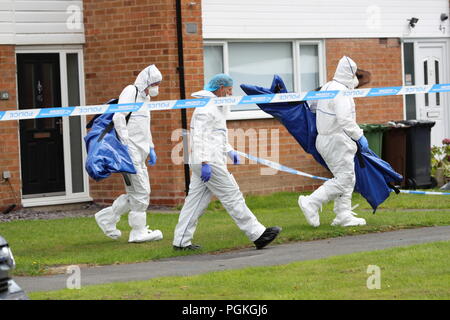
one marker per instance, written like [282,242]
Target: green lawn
[40,244]
[415,272]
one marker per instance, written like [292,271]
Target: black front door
[41,140]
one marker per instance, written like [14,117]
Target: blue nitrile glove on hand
[153,157]
[206,172]
[363,143]
[234,156]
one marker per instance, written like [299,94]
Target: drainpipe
[180,69]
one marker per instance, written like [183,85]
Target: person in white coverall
[210,176]
[136,135]
[338,135]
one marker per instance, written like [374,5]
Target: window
[309,67]
[410,99]
[299,63]
[76,149]
[437,81]
[213,60]
[256,63]
[425,80]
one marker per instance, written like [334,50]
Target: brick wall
[122,38]
[382,57]
[9,131]
[257,179]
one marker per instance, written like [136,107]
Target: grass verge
[414,272]
[41,245]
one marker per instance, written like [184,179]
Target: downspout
[187,178]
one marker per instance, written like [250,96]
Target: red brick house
[75,52]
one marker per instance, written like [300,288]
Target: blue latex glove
[206,172]
[363,143]
[234,156]
[153,157]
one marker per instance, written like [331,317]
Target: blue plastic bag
[105,153]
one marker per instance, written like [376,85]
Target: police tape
[219,101]
[425,192]
[280,167]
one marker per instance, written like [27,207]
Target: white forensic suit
[209,143]
[137,137]
[336,142]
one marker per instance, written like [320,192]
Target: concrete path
[272,255]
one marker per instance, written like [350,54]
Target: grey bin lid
[418,123]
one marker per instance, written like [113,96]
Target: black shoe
[191,247]
[267,237]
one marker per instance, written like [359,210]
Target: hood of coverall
[208,94]
[146,77]
[345,72]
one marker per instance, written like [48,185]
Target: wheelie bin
[418,154]
[374,135]
[394,148]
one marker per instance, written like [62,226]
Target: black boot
[191,247]
[267,237]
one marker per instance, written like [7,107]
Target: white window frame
[322,62]
[69,197]
[259,114]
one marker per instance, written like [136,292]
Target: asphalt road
[271,255]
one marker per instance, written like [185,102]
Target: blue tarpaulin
[374,176]
[291,114]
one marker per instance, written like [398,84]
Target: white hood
[208,94]
[203,94]
[146,77]
[345,72]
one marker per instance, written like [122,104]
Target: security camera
[444,16]
[413,21]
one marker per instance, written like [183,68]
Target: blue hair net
[218,80]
